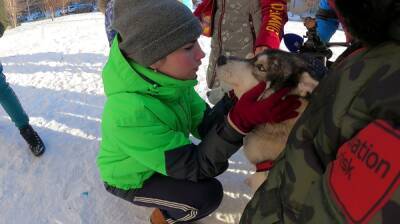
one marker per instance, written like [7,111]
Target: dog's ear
[306,84]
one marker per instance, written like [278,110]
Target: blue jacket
[326,27]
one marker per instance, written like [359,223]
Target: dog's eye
[261,68]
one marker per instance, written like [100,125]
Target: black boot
[32,138]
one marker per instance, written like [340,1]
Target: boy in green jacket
[146,156]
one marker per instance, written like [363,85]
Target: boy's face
[183,63]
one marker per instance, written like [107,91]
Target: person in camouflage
[341,163]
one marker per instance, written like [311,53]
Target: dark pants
[11,104]
[181,201]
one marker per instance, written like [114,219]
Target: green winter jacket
[146,123]
[362,88]
[141,120]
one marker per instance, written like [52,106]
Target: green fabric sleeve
[198,107]
[147,144]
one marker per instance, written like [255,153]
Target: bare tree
[3,15]
[49,6]
[12,11]
[62,4]
[28,7]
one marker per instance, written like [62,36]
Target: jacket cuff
[268,39]
[230,134]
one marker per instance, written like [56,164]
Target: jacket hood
[121,75]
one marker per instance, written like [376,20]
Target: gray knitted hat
[152,29]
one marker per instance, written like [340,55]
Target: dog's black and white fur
[279,69]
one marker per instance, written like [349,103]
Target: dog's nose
[221,60]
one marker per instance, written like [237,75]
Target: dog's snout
[221,60]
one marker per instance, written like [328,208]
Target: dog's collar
[264,166]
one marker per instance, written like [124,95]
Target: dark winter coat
[300,189]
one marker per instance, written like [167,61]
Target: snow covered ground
[54,67]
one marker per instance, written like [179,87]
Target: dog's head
[278,68]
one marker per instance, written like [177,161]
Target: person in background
[146,156]
[341,163]
[303,8]
[326,18]
[327,21]
[237,28]
[13,108]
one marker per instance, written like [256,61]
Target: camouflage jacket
[362,88]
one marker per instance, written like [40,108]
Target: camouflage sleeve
[361,185]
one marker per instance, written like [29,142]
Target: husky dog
[279,69]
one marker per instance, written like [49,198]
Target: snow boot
[32,138]
[157,217]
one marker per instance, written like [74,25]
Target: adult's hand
[249,111]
